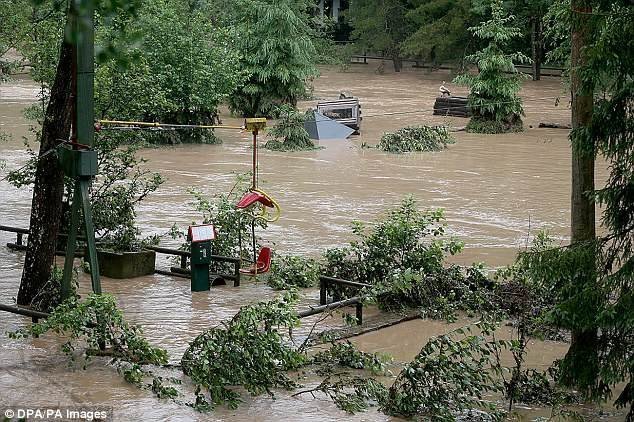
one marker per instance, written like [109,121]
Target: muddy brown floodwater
[494,188]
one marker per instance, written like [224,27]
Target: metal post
[255,252]
[91,249]
[236,274]
[81,165]
[323,286]
[71,242]
[85,33]
[254,184]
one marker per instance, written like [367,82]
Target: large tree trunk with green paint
[46,206]
[582,354]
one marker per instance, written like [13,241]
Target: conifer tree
[493,100]
[278,54]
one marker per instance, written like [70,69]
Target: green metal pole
[71,243]
[85,32]
[91,249]
[86,119]
[82,22]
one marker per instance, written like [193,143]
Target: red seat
[263,264]
[252,197]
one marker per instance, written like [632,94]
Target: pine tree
[493,100]
[278,54]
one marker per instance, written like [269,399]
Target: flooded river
[494,188]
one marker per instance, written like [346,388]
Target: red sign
[201,233]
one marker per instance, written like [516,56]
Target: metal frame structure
[78,158]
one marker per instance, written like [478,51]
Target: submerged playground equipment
[345,110]
[255,204]
[78,158]
[253,199]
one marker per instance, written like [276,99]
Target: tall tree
[48,189]
[441,32]
[594,277]
[177,70]
[494,98]
[531,13]
[381,26]
[46,206]
[583,348]
[278,54]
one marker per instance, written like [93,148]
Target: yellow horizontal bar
[157,124]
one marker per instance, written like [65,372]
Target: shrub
[249,351]
[416,138]
[293,271]
[482,125]
[449,376]
[289,134]
[233,226]
[93,324]
[398,242]
[120,184]
[438,294]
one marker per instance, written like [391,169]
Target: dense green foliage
[450,376]
[493,96]
[288,271]
[416,138]
[439,294]
[277,54]
[440,33]
[122,182]
[380,26]
[93,324]
[289,133]
[398,242]
[248,350]
[179,70]
[345,354]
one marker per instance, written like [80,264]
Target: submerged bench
[184,272]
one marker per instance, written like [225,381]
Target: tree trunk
[46,206]
[582,354]
[537,46]
[398,63]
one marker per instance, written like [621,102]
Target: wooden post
[536,44]
[359,312]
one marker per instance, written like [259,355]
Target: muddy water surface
[494,190]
